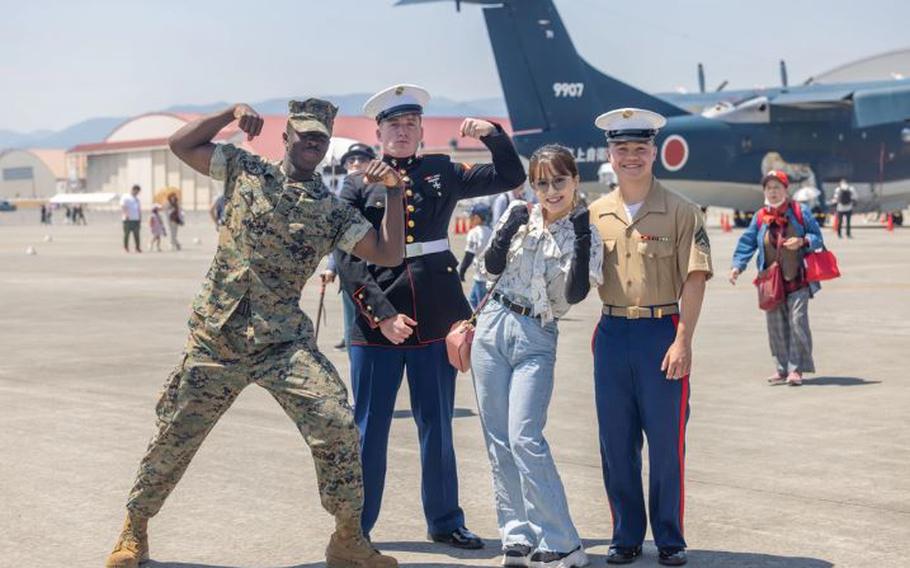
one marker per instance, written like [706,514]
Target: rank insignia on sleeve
[701,240]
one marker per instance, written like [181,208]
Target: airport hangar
[136,152]
[27,174]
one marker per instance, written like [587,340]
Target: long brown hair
[559,158]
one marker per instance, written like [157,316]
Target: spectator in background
[501,203]
[478,238]
[157,227]
[844,198]
[216,212]
[174,219]
[132,217]
[783,232]
[79,215]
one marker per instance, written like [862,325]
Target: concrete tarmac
[806,477]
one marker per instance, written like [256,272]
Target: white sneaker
[546,559]
[516,555]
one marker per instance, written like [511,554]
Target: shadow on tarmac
[837,381]
[703,558]
[458,413]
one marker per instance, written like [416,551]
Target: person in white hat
[657,257]
[405,312]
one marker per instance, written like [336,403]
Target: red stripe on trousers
[683,402]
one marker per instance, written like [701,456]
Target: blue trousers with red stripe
[633,397]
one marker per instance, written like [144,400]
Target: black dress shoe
[459,538]
[623,554]
[673,557]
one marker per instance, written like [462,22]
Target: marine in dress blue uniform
[424,292]
[657,257]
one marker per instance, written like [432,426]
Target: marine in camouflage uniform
[247,327]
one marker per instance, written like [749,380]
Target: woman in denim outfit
[545,262]
[778,235]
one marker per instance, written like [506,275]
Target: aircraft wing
[810,99]
[872,107]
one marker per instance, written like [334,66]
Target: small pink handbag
[461,334]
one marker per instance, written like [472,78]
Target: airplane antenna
[783,73]
[701,78]
[721,86]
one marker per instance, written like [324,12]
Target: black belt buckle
[517,308]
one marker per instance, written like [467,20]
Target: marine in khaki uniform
[246,325]
[657,258]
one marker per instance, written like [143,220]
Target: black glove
[518,216]
[495,257]
[581,221]
[578,284]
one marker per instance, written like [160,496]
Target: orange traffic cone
[835,224]
[725,223]
[890,224]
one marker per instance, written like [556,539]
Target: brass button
[628,255]
[369,308]
[410,208]
[406,179]
[628,282]
[449,268]
[411,223]
[376,318]
[359,296]
[410,238]
[402,171]
[409,193]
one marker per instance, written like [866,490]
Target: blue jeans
[478,291]
[512,358]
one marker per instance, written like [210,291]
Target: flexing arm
[385,247]
[193,143]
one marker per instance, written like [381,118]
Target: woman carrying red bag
[783,232]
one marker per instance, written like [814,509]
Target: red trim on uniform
[363,311]
[683,404]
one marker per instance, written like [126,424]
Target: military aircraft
[715,146]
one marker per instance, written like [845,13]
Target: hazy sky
[69,60]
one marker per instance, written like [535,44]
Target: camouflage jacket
[275,232]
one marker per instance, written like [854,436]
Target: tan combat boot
[349,549]
[132,547]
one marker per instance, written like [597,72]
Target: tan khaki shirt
[275,233]
[647,259]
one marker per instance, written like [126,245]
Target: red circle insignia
[674,153]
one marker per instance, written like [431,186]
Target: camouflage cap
[312,115]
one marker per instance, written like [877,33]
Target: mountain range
[96,129]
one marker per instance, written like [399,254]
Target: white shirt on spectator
[478,237]
[131,208]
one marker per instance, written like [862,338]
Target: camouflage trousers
[214,369]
